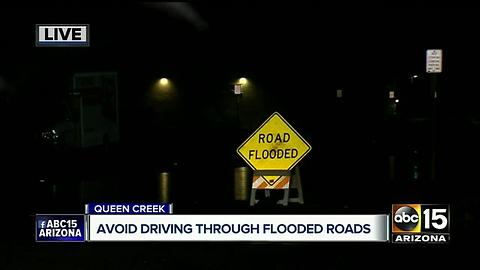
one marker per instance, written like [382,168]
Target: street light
[161,90]
[242,81]
[163,81]
[413,77]
[239,86]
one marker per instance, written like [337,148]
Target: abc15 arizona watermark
[420,223]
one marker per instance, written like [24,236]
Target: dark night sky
[289,48]
[336,40]
[297,53]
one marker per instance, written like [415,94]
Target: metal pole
[237,103]
[433,89]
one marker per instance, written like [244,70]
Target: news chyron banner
[407,223]
[275,228]
[156,222]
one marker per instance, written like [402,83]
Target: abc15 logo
[420,218]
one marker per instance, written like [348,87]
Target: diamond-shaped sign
[275,145]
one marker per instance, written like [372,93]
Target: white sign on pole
[237,89]
[434,61]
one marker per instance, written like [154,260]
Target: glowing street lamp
[239,85]
[242,81]
[163,81]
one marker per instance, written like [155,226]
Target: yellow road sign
[275,145]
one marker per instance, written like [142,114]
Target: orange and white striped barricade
[277,179]
[267,180]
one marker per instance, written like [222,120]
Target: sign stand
[294,183]
[259,174]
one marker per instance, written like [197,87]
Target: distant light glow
[397,100]
[164,81]
[415,76]
[243,81]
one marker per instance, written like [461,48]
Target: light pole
[239,87]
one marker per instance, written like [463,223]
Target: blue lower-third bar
[60,228]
